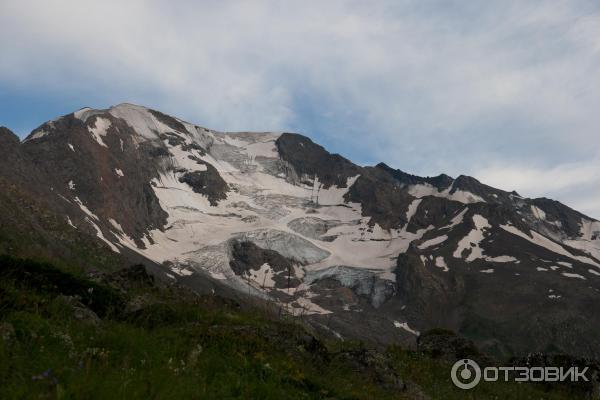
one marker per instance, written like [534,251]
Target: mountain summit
[370,253]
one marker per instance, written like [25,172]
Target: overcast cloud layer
[508,92]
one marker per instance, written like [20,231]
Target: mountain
[361,252]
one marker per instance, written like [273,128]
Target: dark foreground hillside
[121,336]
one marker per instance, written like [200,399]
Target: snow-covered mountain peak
[277,215]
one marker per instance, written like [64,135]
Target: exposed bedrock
[431,297]
[208,183]
[362,282]
[310,159]
[290,246]
[248,257]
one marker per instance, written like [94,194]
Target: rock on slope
[365,252]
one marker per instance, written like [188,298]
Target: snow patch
[548,244]
[538,212]
[262,149]
[569,275]
[433,242]
[100,235]
[83,114]
[307,307]
[589,229]
[565,264]
[99,130]
[441,263]
[589,241]
[457,219]
[39,134]
[85,209]
[501,259]
[412,209]
[332,195]
[404,325]
[263,277]
[140,120]
[422,190]
[70,222]
[181,271]
[473,239]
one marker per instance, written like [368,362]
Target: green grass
[433,375]
[182,346]
[173,349]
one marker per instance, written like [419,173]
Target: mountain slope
[63,335]
[364,252]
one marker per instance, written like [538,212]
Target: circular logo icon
[465,374]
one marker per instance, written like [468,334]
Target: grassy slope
[29,229]
[181,346]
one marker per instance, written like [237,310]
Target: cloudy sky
[506,91]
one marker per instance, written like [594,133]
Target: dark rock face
[30,227]
[381,197]
[246,256]
[431,297]
[472,185]
[71,155]
[362,283]
[441,181]
[376,189]
[312,160]
[208,183]
[504,307]
[439,212]
[194,146]
[168,120]
[568,218]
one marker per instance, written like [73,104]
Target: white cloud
[538,180]
[426,86]
[566,182]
